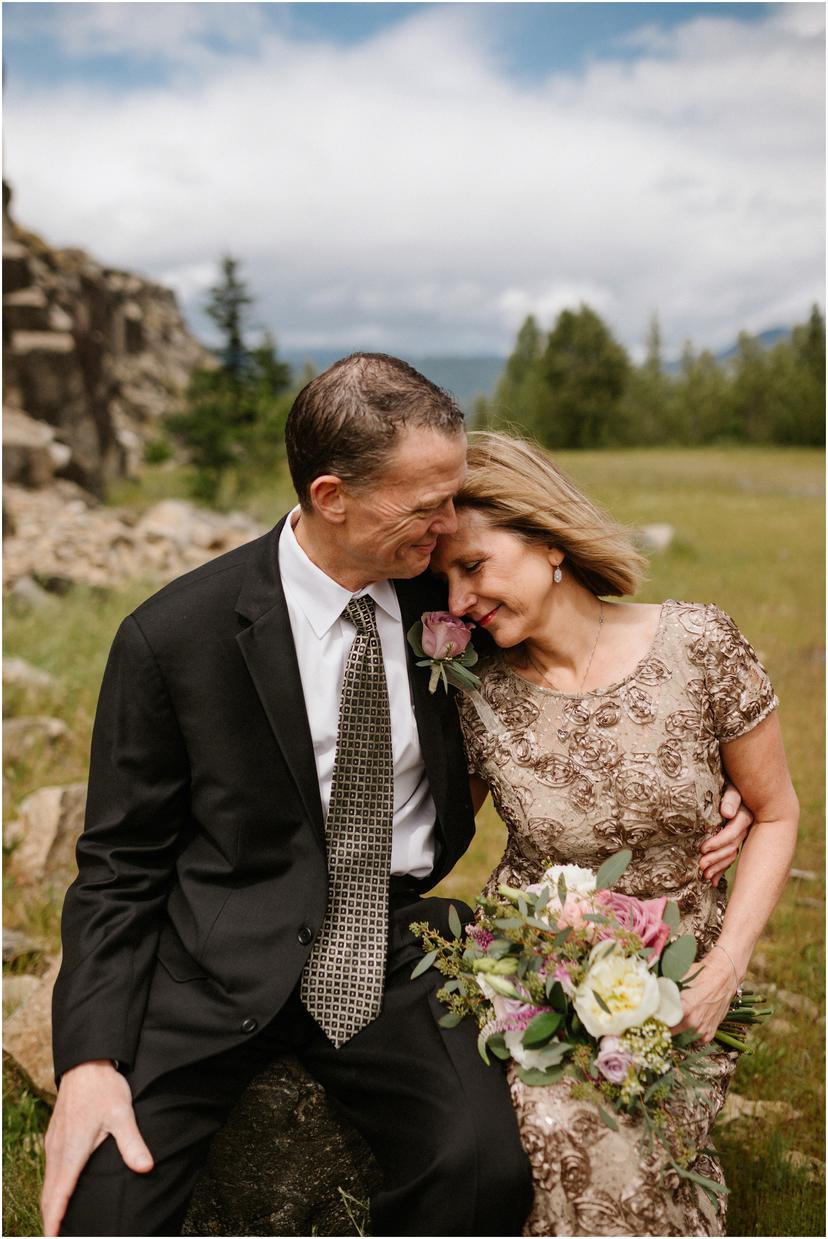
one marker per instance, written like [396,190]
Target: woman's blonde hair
[515,485]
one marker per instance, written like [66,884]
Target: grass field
[749,536]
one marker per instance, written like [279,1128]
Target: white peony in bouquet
[567,977]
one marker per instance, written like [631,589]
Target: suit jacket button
[249,1025]
[305,935]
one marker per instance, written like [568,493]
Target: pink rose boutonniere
[442,642]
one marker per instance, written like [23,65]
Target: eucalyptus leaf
[424,964]
[556,995]
[612,868]
[451,1020]
[540,1029]
[709,1185]
[414,636]
[607,1118]
[562,889]
[454,922]
[678,957]
[531,1075]
[497,1046]
[671,915]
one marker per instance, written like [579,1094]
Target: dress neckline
[596,692]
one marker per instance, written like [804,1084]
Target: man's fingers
[730,801]
[730,835]
[130,1142]
[58,1185]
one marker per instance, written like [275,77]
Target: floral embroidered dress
[576,777]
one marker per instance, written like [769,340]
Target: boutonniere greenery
[442,642]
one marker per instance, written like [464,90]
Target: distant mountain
[469,377]
[464,377]
[766,339]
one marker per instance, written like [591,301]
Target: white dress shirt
[322,638]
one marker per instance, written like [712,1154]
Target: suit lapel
[429,709]
[268,650]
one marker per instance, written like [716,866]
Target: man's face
[392,525]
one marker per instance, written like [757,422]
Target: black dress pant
[438,1120]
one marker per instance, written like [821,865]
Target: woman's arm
[756,763]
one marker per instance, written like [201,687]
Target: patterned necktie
[342,984]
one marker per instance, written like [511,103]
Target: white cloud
[403,193]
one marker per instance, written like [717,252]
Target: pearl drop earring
[557,575]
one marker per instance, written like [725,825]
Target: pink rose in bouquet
[643,917]
[444,635]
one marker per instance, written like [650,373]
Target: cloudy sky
[419,177]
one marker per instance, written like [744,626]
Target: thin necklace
[544,675]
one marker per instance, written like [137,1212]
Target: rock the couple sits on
[274,789]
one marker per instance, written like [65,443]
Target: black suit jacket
[203,854]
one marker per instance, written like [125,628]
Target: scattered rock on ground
[17,989]
[814,1169]
[25,733]
[18,672]
[657,537]
[27,1035]
[738,1107]
[46,831]
[277,1166]
[17,944]
[61,539]
[805,875]
[26,595]
[799,1003]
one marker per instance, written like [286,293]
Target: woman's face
[496,578]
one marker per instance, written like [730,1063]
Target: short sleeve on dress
[739,688]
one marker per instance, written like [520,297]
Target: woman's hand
[706,1001]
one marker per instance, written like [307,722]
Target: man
[271,790]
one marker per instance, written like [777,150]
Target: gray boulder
[45,834]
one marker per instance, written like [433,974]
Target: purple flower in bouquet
[613,1060]
[643,917]
[444,635]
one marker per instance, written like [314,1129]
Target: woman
[599,726]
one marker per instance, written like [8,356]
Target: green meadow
[749,535]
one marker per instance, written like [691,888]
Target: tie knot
[360,612]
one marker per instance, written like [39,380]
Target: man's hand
[720,850]
[93,1102]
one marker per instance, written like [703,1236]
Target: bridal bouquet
[568,977]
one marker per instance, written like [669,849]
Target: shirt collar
[321,599]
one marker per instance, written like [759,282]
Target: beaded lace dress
[576,777]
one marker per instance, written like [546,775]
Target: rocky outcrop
[45,833]
[62,536]
[27,1036]
[285,1164]
[30,733]
[95,354]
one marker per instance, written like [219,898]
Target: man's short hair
[346,421]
